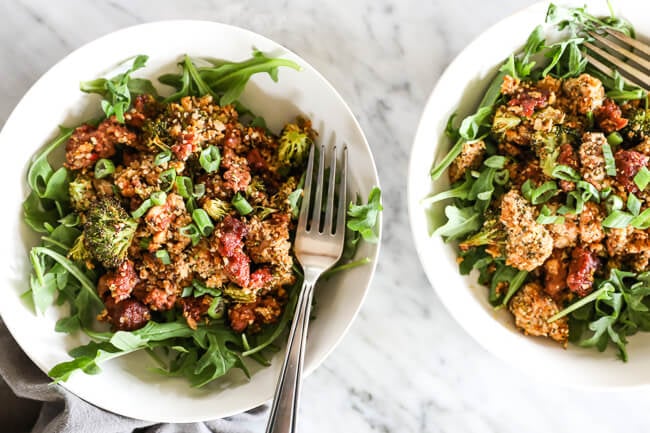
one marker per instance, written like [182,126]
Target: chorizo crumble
[246,258]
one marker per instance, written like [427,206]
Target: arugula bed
[171,220]
[549,183]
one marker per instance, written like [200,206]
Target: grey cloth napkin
[29,403]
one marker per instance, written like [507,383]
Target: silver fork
[317,250]
[614,50]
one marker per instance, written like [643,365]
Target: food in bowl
[549,182]
[172,220]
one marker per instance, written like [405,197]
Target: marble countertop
[406,366]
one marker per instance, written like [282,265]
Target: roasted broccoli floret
[217,209]
[546,145]
[256,186]
[638,126]
[156,134]
[81,192]
[492,235]
[79,253]
[108,231]
[295,141]
[503,121]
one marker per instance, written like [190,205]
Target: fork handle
[284,410]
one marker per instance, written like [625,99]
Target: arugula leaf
[37,215]
[217,357]
[295,198]
[136,86]
[460,191]
[575,64]
[40,171]
[617,309]
[505,274]
[37,255]
[471,126]
[88,357]
[521,66]
[117,91]
[363,218]
[460,222]
[577,20]
[224,80]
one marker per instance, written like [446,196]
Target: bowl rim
[310,367]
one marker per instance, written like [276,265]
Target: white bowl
[126,386]
[459,89]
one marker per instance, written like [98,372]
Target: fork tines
[316,191]
[615,50]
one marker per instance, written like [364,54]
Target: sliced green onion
[642,178]
[163,157]
[163,255]
[590,119]
[190,205]
[158,197]
[540,194]
[613,203]
[633,204]
[210,158]
[144,243]
[588,191]
[104,167]
[215,310]
[576,201]
[187,291]
[502,177]
[641,221]
[614,139]
[547,217]
[199,191]
[192,232]
[564,172]
[618,219]
[605,192]
[203,222]
[240,203]
[167,179]
[184,186]
[495,161]
[201,289]
[142,209]
[610,163]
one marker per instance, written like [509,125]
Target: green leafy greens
[64,263]
[224,80]
[619,306]
[117,90]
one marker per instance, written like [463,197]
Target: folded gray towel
[63,412]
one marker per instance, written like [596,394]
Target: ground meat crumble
[246,257]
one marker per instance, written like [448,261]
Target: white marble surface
[405,365]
